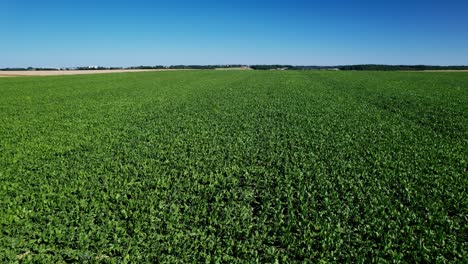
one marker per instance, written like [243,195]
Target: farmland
[234,167]
[20,73]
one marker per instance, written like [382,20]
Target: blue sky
[53,33]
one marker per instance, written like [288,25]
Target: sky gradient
[129,33]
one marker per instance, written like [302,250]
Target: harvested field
[72,72]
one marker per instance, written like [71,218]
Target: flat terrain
[234,167]
[75,72]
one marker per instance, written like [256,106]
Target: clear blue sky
[53,33]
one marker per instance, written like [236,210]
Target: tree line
[377,67]
[363,67]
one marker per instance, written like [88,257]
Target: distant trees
[363,67]
[93,68]
[273,67]
[195,67]
[147,67]
[29,69]
[204,67]
[14,69]
[290,67]
[377,67]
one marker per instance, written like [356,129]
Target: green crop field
[234,167]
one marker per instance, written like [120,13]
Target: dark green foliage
[148,67]
[100,68]
[28,69]
[203,67]
[272,67]
[377,67]
[234,166]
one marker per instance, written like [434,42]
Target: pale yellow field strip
[75,72]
